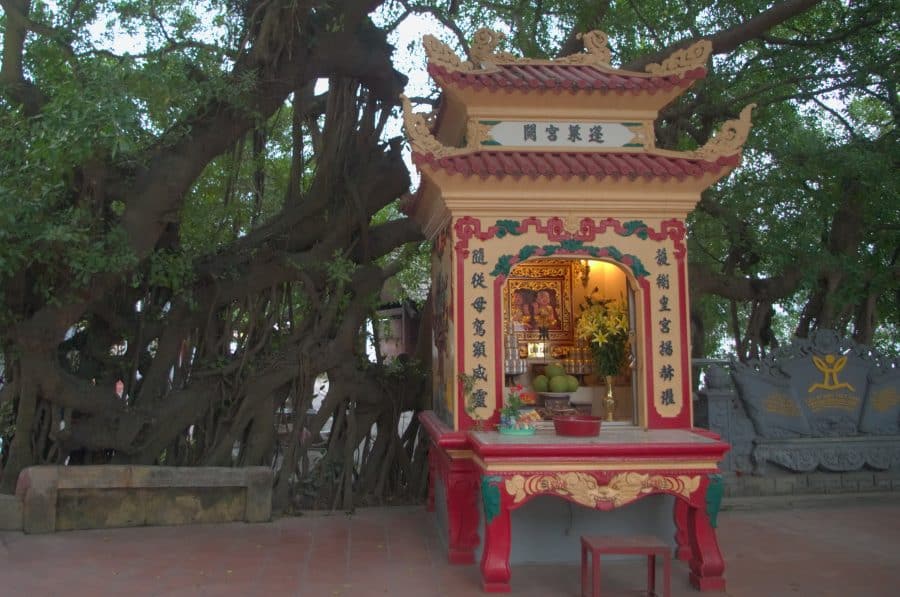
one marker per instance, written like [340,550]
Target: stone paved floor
[835,549]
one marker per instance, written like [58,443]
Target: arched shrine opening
[541,302]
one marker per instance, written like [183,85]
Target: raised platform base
[837,454]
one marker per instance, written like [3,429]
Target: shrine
[559,280]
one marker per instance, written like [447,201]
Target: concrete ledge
[780,502]
[83,497]
[10,513]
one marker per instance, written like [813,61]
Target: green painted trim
[490,122]
[636,227]
[633,145]
[714,492]
[505,227]
[632,124]
[505,263]
[491,142]
[490,496]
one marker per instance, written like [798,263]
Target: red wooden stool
[630,545]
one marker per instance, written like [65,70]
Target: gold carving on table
[681,61]
[781,404]
[729,139]
[584,489]
[830,366]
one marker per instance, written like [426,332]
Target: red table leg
[495,556]
[707,565]
[682,542]
[462,516]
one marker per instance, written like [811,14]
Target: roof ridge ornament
[679,62]
[484,45]
[417,129]
[422,140]
[485,58]
[729,139]
[443,55]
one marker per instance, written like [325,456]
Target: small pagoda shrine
[543,190]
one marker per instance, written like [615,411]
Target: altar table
[604,472]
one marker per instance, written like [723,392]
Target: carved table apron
[604,472]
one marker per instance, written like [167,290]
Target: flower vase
[609,402]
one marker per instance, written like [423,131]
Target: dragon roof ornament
[694,56]
[485,58]
[418,131]
[730,138]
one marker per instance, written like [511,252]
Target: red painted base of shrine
[603,473]
[464,556]
[707,584]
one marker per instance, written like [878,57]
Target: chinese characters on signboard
[552,133]
[667,370]
[479,373]
[586,134]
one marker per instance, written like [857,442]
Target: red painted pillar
[495,556]
[462,512]
[707,565]
[682,541]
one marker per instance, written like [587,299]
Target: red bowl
[580,425]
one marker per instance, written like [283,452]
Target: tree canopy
[211,217]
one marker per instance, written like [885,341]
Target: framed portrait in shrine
[537,303]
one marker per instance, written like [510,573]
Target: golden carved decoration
[441,54]
[729,139]
[598,54]
[681,61]
[476,133]
[418,131]
[485,58]
[483,46]
[583,488]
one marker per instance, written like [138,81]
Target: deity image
[520,311]
[545,315]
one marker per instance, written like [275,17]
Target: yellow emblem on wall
[830,366]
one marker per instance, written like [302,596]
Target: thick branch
[706,280]
[727,40]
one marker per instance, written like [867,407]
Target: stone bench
[56,498]
[836,454]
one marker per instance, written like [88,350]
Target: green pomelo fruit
[554,369]
[559,384]
[539,383]
[572,383]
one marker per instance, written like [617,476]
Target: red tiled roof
[567,164]
[571,77]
